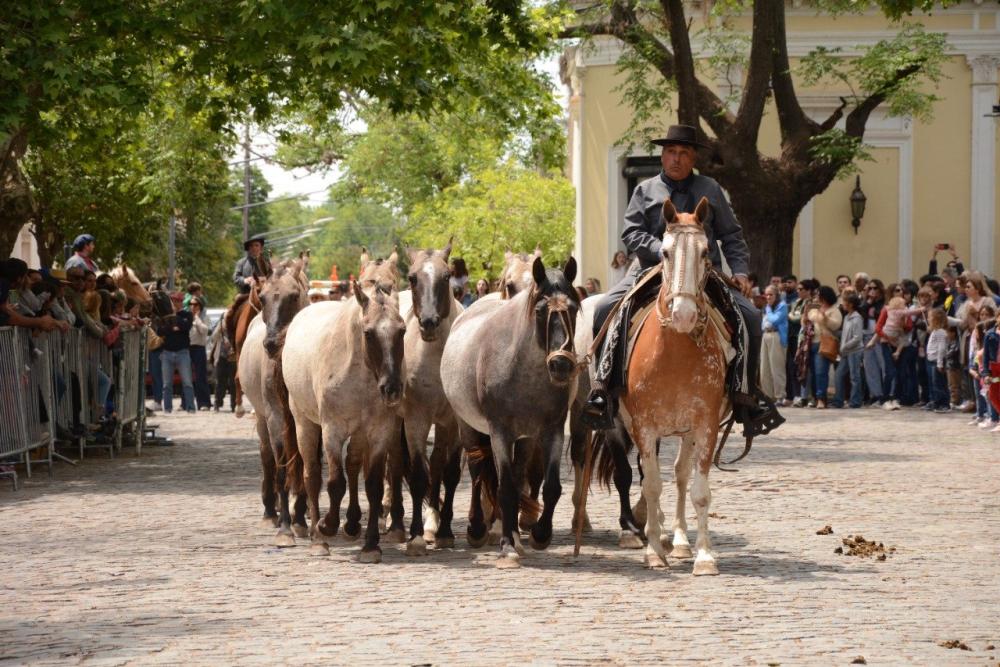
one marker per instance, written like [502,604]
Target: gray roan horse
[509,371]
[282,296]
[343,364]
[428,325]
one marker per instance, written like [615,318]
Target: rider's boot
[760,414]
[600,409]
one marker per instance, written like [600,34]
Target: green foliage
[507,207]
[913,48]
[647,93]
[836,147]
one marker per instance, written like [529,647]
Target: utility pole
[246,179]
[171,250]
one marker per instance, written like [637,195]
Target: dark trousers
[199,372]
[156,371]
[225,380]
[751,317]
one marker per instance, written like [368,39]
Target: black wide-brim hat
[255,237]
[680,134]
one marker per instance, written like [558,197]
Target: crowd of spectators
[930,343]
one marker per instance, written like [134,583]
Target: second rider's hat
[255,237]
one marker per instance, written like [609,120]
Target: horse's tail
[603,459]
[404,452]
[481,455]
[293,459]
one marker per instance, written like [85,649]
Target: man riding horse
[643,233]
[248,269]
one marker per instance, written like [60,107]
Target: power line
[303,195]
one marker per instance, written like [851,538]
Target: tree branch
[795,124]
[587,30]
[759,74]
[680,42]
[858,117]
[834,118]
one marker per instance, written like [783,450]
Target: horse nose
[391,392]
[684,316]
[431,322]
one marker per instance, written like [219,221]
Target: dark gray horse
[509,372]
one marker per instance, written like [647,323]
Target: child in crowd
[937,348]
[898,322]
[953,366]
[851,352]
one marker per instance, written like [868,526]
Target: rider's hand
[249,280]
[745,288]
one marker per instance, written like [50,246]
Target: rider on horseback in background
[247,268]
[643,234]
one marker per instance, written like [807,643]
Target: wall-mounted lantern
[858,201]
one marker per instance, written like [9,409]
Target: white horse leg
[652,486]
[682,474]
[701,498]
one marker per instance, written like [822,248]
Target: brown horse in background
[237,322]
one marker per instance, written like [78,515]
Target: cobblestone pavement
[160,559]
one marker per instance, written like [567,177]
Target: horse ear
[538,271]
[361,297]
[365,257]
[669,212]
[447,249]
[538,250]
[393,258]
[507,254]
[570,270]
[701,211]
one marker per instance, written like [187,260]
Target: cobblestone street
[160,559]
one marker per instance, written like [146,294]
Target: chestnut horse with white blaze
[677,386]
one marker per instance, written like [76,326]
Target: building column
[984,160]
[572,76]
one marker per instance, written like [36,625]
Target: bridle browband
[666,268]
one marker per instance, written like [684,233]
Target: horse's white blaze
[428,270]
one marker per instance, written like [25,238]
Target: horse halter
[667,269]
[560,308]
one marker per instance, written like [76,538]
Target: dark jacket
[644,224]
[176,331]
[244,269]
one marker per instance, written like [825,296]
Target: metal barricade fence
[130,387]
[27,405]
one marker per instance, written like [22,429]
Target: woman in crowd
[873,301]
[986,416]
[803,342]
[482,288]
[774,342]
[826,320]
[851,353]
[199,359]
[619,267]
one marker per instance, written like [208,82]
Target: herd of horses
[361,382]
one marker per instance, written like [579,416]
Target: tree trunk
[15,197]
[770,241]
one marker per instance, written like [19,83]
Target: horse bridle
[666,268]
[560,308]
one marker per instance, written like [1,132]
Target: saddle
[722,319]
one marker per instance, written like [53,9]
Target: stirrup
[763,419]
[596,418]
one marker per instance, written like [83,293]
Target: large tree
[767,191]
[257,55]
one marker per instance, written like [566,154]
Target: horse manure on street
[825,530]
[860,660]
[954,643]
[856,545]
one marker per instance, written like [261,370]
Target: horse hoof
[587,528]
[475,542]
[538,546]
[508,561]
[666,541]
[299,530]
[239,412]
[269,523]
[444,543]
[705,567]
[283,539]
[370,557]
[396,536]
[681,551]
[430,536]
[629,540]
[655,562]
[351,533]
[416,547]
[319,549]
[639,512]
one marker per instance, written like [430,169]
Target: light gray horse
[282,296]
[509,371]
[343,364]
